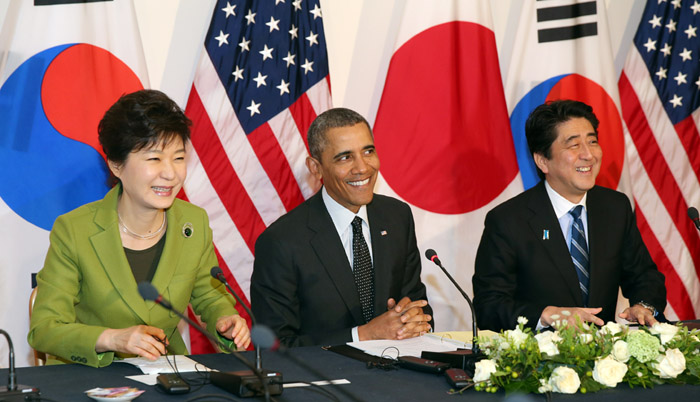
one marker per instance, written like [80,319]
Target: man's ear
[541,162]
[314,167]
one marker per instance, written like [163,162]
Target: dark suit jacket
[519,273]
[303,286]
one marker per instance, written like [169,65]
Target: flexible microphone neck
[218,274]
[432,256]
[149,292]
[12,380]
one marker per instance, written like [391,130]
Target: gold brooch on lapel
[187,230]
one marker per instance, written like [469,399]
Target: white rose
[516,336]
[609,371]
[670,364]
[522,320]
[564,380]
[620,351]
[585,338]
[611,328]
[484,369]
[544,386]
[666,331]
[546,341]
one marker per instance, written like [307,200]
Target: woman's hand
[234,327]
[142,340]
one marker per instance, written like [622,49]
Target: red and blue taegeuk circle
[50,158]
[576,87]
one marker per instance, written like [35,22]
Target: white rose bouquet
[586,358]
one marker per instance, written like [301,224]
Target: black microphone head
[148,291]
[432,256]
[693,213]
[215,272]
[263,337]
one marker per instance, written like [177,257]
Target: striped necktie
[579,251]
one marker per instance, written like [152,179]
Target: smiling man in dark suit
[332,270]
[564,247]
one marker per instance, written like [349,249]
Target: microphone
[475,352]
[149,292]
[218,274]
[266,338]
[693,215]
[432,256]
[13,391]
[241,383]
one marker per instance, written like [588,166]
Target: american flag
[260,82]
[659,94]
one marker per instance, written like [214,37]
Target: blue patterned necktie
[362,270]
[579,251]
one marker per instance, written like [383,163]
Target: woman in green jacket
[88,309]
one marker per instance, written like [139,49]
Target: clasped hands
[560,316]
[150,342]
[402,320]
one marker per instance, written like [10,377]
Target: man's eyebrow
[338,155]
[571,138]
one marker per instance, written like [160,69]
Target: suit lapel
[174,242]
[596,239]
[380,241]
[329,249]
[544,219]
[109,250]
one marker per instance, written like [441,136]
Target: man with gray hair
[332,270]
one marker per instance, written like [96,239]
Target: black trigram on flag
[564,14]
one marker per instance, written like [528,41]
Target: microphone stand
[238,382]
[13,391]
[264,336]
[217,273]
[459,358]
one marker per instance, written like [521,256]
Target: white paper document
[161,365]
[409,347]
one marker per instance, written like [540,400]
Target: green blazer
[86,284]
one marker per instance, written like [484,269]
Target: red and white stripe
[664,162]
[245,182]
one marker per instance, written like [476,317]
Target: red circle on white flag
[442,129]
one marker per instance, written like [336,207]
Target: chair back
[39,357]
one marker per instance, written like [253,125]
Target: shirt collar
[561,205]
[341,216]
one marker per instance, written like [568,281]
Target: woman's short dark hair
[541,125]
[140,120]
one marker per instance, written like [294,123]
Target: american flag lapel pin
[383,232]
[545,234]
